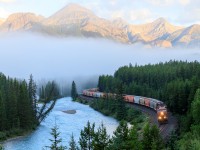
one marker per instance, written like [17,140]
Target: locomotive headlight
[159,117]
[165,117]
[162,113]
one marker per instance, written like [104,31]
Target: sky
[179,12]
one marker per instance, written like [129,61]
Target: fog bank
[76,59]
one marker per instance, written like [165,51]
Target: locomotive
[157,105]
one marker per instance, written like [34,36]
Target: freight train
[157,105]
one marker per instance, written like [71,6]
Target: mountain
[71,14]
[189,37]
[152,31]
[79,21]
[75,20]
[20,22]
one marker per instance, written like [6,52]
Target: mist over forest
[82,60]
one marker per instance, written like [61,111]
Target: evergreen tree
[151,138]
[157,141]
[102,139]
[56,140]
[51,94]
[147,139]
[72,144]
[171,143]
[120,138]
[18,105]
[24,107]
[87,137]
[74,93]
[133,139]
[121,108]
[196,107]
[2,114]
[32,95]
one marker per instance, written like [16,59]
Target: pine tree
[74,93]
[133,139]
[147,139]
[121,108]
[152,138]
[24,107]
[195,107]
[72,144]
[120,138]
[2,114]
[56,140]
[171,142]
[87,136]
[157,141]
[32,96]
[102,139]
[51,92]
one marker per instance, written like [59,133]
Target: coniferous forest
[19,112]
[177,83]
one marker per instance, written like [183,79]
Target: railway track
[165,129]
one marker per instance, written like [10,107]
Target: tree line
[124,138]
[175,82]
[19,111]
[49,91]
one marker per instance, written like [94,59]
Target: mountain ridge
[75,20]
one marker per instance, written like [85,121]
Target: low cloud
[82,60]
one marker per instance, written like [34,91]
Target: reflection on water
[68,124]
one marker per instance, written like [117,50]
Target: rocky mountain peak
[75,20]
[25,17]
[75,7]
[163,24]
[161,21]
[70,14]
[20,21]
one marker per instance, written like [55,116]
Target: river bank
[133,116]
[14,134]
[67,124]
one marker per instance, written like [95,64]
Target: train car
[84,92]
[102,95]
[136,99]
[141,101]
[98,94]
[153,103]
[147,102]
[129,98]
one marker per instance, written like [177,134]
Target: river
[67,123]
